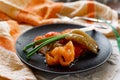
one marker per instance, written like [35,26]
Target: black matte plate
[84,64]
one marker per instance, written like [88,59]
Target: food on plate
[62,55]
[83,39]
[62,48]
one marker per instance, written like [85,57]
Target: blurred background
[114,4]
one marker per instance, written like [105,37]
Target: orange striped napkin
[14,13]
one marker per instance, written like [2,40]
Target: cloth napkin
[18,16]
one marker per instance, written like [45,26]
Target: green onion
[48,41]
[36,42]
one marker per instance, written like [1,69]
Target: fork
[83,18]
